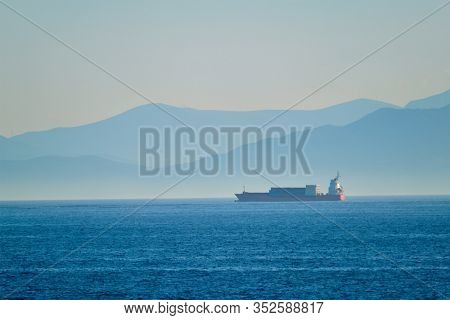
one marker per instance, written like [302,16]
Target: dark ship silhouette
[307,193]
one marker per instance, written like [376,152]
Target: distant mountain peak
[433,102]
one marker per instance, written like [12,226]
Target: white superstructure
[335,187]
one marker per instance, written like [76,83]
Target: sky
[228,55]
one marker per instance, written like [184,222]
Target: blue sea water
[364,248]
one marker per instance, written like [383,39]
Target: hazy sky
[234,55]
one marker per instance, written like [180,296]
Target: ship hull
[266,197]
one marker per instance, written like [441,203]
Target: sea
[362,248]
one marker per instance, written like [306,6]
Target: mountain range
[379,148]
[436,101]
[116,138]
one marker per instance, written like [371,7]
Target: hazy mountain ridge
[389,151]
[116,138]
[435,101]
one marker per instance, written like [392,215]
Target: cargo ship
[307,193]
